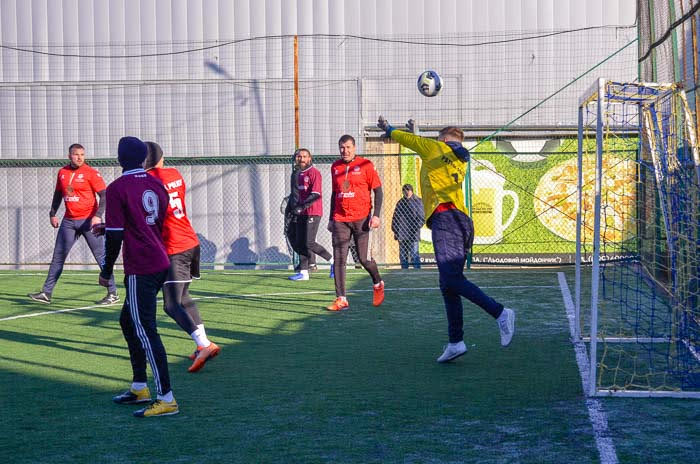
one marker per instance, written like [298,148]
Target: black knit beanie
[131,153]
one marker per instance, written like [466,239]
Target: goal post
[638,236]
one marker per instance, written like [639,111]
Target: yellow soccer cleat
[158,408]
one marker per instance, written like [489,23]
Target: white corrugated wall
[61,82]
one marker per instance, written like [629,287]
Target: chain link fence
[520,201]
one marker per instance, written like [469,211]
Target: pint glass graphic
[487,203]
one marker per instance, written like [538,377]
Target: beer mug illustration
[487,203]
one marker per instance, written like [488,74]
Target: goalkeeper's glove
[385,126]
[411,126]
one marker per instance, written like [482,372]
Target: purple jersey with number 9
[136,204]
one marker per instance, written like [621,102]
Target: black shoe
[41,297]
[133,397]
[111,298]
[358,266]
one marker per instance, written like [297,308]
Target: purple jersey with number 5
[136,204]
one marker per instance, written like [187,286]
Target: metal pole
[596,238]
[579,190]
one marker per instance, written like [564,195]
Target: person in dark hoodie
[137,204]
[443,167]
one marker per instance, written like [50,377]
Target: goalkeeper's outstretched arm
[426,148]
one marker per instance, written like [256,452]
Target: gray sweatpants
[68,233]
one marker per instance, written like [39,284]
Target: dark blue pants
[68,233]
[138,322]
[453,233]
[408,254]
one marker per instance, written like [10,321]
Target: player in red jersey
[182,246]
[76,185]
[353,179]
[136,208]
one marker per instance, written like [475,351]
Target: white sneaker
[506,325]
[452,351]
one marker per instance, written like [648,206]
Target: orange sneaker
[378,297]
[194,354]
[204,355]
[339,304]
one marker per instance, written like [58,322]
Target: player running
[353,180]
[443,166]
[182,246]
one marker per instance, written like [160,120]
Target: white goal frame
[599,94]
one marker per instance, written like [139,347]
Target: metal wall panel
[67,91]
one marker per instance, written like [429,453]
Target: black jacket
[408,218]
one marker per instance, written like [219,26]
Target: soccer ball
[429,83]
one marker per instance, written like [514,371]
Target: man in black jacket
[406,223]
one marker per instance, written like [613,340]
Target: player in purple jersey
[136,207]
[306,207]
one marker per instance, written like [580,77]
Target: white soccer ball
[429,83]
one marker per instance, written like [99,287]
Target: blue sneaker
[299,276]
[331,275]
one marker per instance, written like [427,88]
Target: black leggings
[176,296]
[303,240]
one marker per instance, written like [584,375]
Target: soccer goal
[638,233]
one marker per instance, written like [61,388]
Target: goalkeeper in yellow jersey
[443,166]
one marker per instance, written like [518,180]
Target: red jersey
[353,183]
[137,204]
[78,188]
[309,181]
[178,233]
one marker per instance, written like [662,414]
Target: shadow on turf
[314,388]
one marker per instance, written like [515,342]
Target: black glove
[298,210]
[385,126]
[411,126]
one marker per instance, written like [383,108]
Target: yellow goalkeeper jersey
[441,174]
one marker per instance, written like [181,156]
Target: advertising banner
[524,205]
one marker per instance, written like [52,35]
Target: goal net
[638,225]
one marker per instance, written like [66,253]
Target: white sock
[503,316]
[136,386]
[304,272]
[379,284]
[343,298]
[200,337]
[168,397]
[201,326]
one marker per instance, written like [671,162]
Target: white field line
[258,295]
[596,414]
[321,270]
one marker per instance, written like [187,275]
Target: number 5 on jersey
[176,205]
